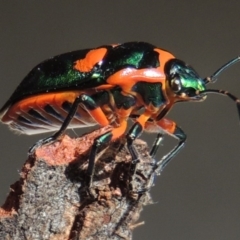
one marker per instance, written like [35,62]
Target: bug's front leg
[171,128]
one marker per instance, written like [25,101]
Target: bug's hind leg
[133,133]
[89,104]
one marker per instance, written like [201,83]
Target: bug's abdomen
[45,112]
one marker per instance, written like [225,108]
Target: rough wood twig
[50,200]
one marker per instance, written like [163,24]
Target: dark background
[198,195]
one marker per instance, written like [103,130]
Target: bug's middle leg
[98,142]
[134,133]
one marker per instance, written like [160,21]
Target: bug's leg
[156,145]
[98,142]
[150,126]
[90,106]
[134,133]
[172,129]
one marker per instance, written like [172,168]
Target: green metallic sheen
[188,78]
[151,93]
[133,60]
[122,101]
[59,74]
[197,84]
[51,82]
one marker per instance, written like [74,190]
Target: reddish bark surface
[50,200]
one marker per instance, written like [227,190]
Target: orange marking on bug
[104,87]
[167,125]
[119,131]
[151,127]
[164,56]
[38,101]
[99,116]
[128,77]
[94,56]
[142,119]
[19,107]
[69,96]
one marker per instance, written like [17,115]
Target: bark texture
[50,200]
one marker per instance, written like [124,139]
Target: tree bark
[50,200]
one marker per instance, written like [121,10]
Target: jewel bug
[108,85]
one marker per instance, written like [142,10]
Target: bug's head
[184,81]
[188,86]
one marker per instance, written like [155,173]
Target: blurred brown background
[198,195]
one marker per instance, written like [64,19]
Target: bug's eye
[176,85]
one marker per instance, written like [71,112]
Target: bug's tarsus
[167,158]
[40,143]
[161,164]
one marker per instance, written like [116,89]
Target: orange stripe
[164,56]
[104,87]
[94,56]
[119,131]
[142,119]
[127,78]
[99,116]
[39,101]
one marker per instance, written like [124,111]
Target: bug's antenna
[225,93]
[213,78]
